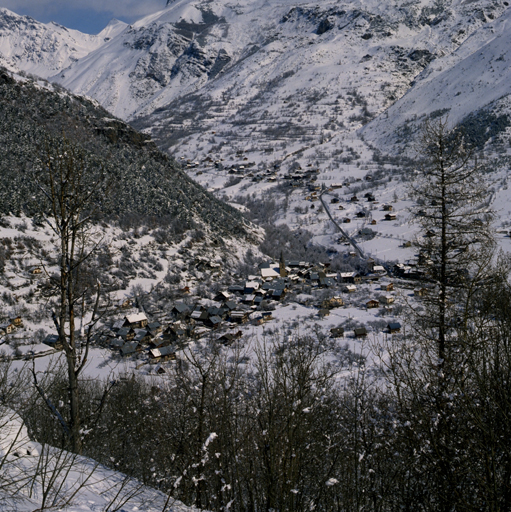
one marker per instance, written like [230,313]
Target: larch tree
[456,250]
[456,242]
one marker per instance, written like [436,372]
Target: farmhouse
[167,353]
[138,320]
[394,327]
[360,332]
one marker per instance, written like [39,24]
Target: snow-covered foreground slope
[37,477]
[45,48]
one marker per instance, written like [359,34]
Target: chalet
[267,316]
[251,287]
[124,303]
[258,320]
[7,327]
[346,220]
[379,269]
[360,332]
[354,199]
[240,317]
[199,315]
[222,296]
[174,333]
[350,277]
[126,333]
[154,328]
[390,216]
[159,342]
[278,294]
[236,288]
[372,304]
[258,300]
[361,215]
[373,222]
[214,321]
[387,299]
[334,200]
[269,273]
[394,327]
[199,331]
[130,348]
[137,320]
[167,353]
[52,340]
[17,322]
[180,310]
[118,324]
[341,207]
[221,312]
[337,332]
[332,303]
[420,292]
[248,299]
[336,185]
[229,338]
[370,197]
[229,305]
[117,343]
[142,336]
[388,287]
[350,288]
[387,207]
[36,271]
[327,282]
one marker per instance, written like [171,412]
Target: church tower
[282,266]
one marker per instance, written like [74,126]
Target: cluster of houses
[11,325]
[239,304]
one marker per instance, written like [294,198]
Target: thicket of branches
[286,433]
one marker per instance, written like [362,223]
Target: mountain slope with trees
[145,185]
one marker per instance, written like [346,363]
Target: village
[131,333]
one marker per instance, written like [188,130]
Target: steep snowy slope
[44,49]
[37,477]
[476,76]
[215,65]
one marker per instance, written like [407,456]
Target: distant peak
[114,21]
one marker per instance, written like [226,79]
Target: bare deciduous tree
[72,185]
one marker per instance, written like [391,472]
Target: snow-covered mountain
[45,49]
[475,77]
[259,74]
[303,72]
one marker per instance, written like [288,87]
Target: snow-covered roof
[269,272]
[137,317]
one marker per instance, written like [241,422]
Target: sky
[88,16]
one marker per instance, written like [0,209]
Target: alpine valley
[250,163]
